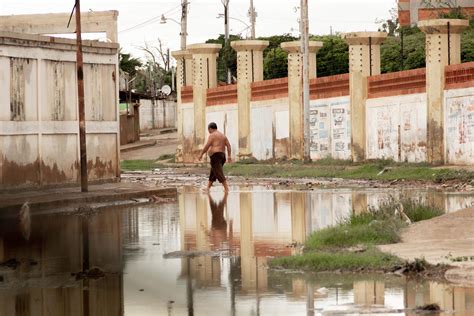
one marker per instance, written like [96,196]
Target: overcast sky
[274,17]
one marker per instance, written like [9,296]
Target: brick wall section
[222,95]
[460,76]
[270,89]
[329,87]
[187,94]
[397,83]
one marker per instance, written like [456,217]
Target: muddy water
[204,255]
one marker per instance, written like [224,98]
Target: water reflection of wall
[60,245]
[260,224]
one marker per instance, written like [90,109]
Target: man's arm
[206,147]
[229,150]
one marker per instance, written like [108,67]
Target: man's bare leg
[226,187]
[209,185]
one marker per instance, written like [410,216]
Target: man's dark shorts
[217,170]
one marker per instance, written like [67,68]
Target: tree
[128,63]
[333,57]
[227,57]
[275,63]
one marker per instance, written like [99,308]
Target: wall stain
[14,174]
[102,169]
[435,134]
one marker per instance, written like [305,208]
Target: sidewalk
[48,199]
[151,146]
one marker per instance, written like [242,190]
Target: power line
[152,20]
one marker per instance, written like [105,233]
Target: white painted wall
[396,128]
[459,126]
[269,124]
[330,128]
[226,118]
[43,146]
[188,120]
[164,114]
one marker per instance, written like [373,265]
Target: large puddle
[204,255]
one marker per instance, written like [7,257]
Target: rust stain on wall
[59,97]
[102,169]
[435,133]
[19,174]
[52,174]
[17,88]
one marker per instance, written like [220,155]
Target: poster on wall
[340,130]
[319,130]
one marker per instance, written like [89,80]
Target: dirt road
[446,239]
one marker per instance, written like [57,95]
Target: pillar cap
[362,38]
[181,54]
[249,45]
[438,26]
[204,48]
[295,46]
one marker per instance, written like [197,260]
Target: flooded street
[204,255]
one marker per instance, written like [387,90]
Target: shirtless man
[215,148]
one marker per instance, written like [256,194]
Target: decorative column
[204,77]
[443,47]
[364,61]
[183,78]
[249,69]
[295,92]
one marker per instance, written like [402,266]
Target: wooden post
[80,94]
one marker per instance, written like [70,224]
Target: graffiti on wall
[330,129]
[396,128]
[460,129]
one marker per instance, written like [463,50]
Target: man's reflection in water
[218,233]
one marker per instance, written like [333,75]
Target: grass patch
[329,248]
[139,165]
[371,259]
[332,168]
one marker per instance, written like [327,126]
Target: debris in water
[25,221]
[384,170]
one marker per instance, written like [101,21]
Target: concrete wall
[269,129]
[165,115]
[330,128]
[39,129]
[396,128]
[459,123]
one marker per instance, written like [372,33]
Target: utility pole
[253,18]
[225,3]
[184,23]
[80,94]
[305,52]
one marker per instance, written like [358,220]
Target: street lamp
[164,20]
[221,15]
[183,32]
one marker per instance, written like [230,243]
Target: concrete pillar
[183,77]
[364,61]
[443,47]
[295,92]
[249,69]
[204,77]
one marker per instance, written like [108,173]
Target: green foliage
[372,259]
[333,57]
[275,64]
[128,63]
[227,57]
[139,165]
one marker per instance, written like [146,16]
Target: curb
[137,146]
[105,197]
